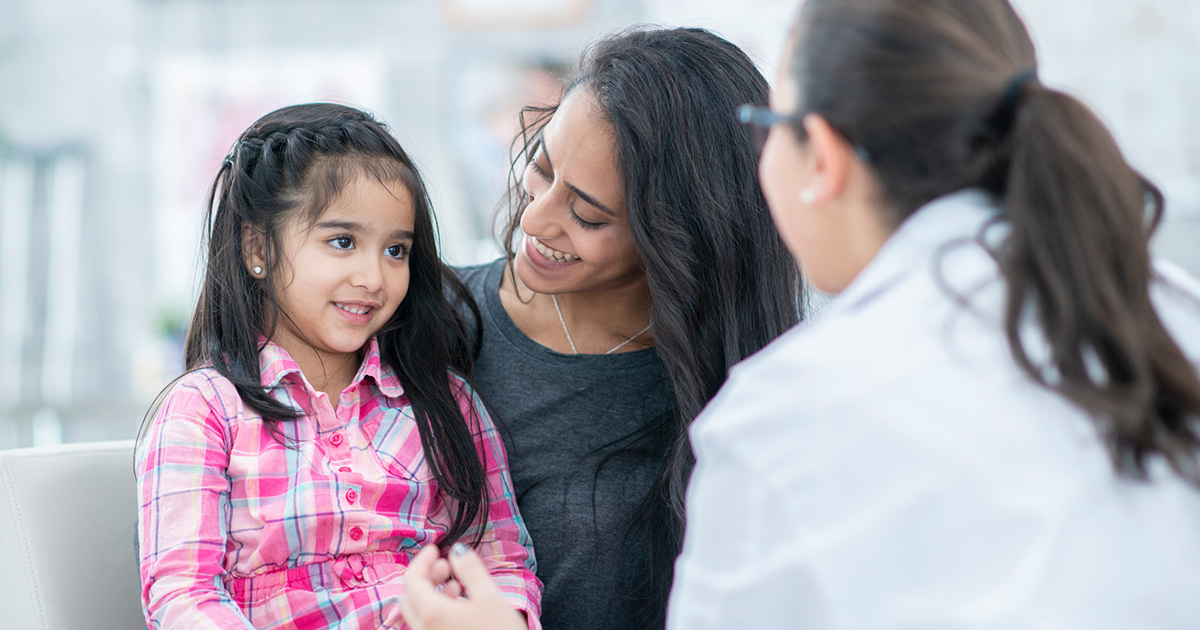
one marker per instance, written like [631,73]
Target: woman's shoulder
[475,277]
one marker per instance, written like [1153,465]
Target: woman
[642,264]
[995,423]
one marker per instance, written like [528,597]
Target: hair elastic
[1016,88]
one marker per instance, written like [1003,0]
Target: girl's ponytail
[1078,257]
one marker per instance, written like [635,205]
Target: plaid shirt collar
[274,363]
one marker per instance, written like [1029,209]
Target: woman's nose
[541,216]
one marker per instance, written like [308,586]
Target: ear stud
[257,270]
[807,196]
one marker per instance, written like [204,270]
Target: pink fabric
[240,531]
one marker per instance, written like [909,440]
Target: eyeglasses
[760,120]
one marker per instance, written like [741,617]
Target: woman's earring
[257,270]
[807,196]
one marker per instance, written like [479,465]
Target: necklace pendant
[571,341]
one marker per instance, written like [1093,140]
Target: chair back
[67,517]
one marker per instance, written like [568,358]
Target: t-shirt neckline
[504,323]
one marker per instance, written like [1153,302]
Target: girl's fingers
[452,589]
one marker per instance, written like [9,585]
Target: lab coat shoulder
[1176,296]
[836,381]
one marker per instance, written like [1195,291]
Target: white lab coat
[889,466]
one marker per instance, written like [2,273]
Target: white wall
[147,95]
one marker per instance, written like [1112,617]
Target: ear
[254,249]
[831,156]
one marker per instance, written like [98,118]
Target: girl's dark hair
[721,281]
[943,95]
[290,165]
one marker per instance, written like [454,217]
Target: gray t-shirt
[581,459]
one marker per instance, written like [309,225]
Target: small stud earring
[257,270]
[807,196]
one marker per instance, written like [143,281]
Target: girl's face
[343,277]
[576,229]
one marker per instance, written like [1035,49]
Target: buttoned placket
[335,429]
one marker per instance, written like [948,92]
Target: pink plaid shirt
[240,531]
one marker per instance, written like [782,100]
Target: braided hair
[291,164]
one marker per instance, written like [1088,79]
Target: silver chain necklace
[572,341]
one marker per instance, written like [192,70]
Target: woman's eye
[587,225]
[534,181]
[396,251]
[342,242]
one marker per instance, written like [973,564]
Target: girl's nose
[368,273]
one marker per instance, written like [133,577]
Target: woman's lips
[552,254]
[533,251]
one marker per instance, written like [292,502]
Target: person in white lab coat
[995,424]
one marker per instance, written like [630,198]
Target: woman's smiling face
[576,228]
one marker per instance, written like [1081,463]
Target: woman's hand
[426,607]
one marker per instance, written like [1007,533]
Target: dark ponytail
[1078,254]
[942,96]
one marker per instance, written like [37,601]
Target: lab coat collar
[959,215]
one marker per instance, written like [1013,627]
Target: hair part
[291,165]
[940,94]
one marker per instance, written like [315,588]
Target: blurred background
[115,115]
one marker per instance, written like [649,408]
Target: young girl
[321,434]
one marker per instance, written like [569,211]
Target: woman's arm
[183,492]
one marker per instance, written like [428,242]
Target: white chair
[67,517]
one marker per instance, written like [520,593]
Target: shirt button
[344,469]
[355,533]
[351,496]
[336,439]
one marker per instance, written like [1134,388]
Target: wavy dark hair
[722,284]
[943,96]
[290,165]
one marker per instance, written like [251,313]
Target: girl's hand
[427,608]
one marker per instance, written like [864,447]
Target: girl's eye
[396,251]
[342,242]
[587,225]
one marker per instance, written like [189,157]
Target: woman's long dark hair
[943,95]
[290,165]
[721,281]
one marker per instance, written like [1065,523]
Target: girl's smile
[357,313]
